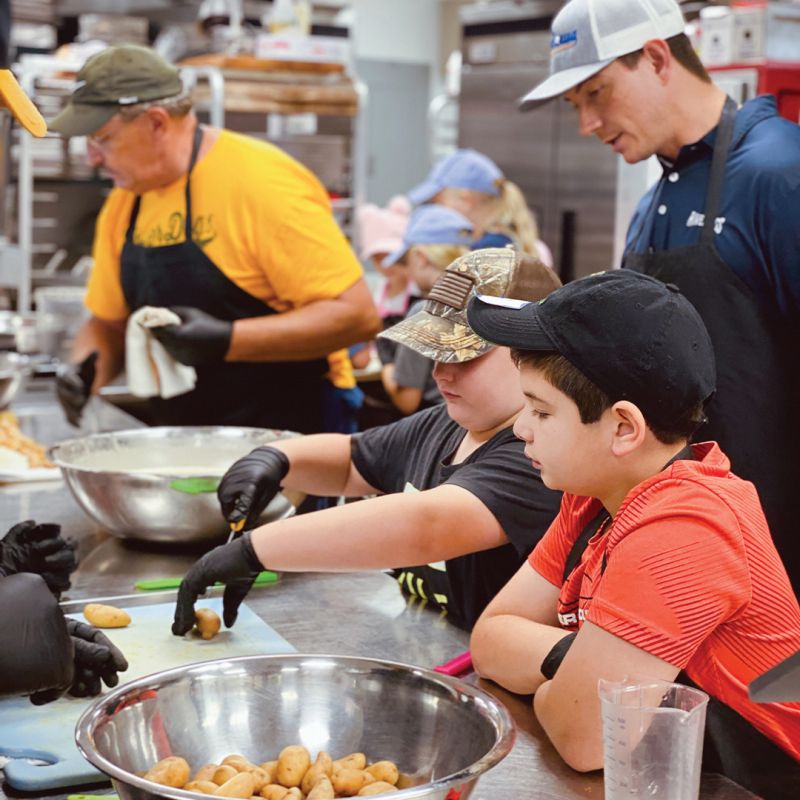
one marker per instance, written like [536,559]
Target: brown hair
[682,51]
[591,400]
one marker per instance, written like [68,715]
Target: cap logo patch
[562,41]
[452,289]
[128,101]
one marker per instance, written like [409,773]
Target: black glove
[36,651]
[73,387]
[248,486]
[199,339]
[235,564]
[29,547]
[96,659]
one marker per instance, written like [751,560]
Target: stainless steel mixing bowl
[14,369]
[159,484]
[441,733]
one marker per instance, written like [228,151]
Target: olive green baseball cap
[440,331]
[114,78]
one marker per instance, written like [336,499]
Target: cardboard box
[749,28]
[716,35]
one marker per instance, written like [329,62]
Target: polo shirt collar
[748,116]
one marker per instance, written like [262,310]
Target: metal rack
[341,141]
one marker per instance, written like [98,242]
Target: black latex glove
[199,339]
[235,564]
[96,659]
[29,547]
[36,651]
[73,387]
[248,486]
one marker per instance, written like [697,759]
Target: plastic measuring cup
[652,739]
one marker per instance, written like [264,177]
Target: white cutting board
[47,733]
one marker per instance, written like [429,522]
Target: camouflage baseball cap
[114,78]
[440,330]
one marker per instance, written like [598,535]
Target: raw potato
[274,791]
[240,785]
[323,767]
[348,782]
[261,778]
[206,787]
[106,616]
[379,787]
[173,771]
[205,773]
[384,771]
[293,762]
[223,774]
[207,622]
[239,763]
[270,767]
[323,790]
[353,761]
[294,794]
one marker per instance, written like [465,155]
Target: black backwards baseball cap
[112,79]
[634,337]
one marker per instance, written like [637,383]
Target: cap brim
[20,105]
[508,325]
[82,119]
[559,83]
[438,338]
[423,193]
[394,256]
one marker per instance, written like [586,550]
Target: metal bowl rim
[504,723]
[222,431]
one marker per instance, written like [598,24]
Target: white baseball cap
[587,35]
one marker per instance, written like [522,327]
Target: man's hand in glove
[29,547]
[73,387]
[235,564]
[36,651]
[96,659]
[199,339]
[248,486]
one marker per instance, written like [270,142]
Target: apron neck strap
[196,142]
[722,146]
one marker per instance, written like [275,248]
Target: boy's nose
[521,430]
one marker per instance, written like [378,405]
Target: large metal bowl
[14,369]
[159,484]
[442,733]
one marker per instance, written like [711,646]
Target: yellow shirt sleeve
[104,297]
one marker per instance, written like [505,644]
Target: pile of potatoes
[291,777]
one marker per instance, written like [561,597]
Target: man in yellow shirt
[228,231]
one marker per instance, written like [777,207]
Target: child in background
[434,238]
[381,233]
[660,561]
[472,184]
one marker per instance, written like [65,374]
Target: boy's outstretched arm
[568,707]
[516,631]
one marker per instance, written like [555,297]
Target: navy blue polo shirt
[758,224]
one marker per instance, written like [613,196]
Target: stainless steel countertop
[347,614]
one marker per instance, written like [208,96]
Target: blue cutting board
[47,733]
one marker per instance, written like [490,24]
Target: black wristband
[552,661]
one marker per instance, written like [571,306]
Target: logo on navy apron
[203,231]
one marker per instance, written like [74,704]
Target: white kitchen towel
[152,371]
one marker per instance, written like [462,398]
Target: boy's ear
[629,427]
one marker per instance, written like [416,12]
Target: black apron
[283,395]
[754,412]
